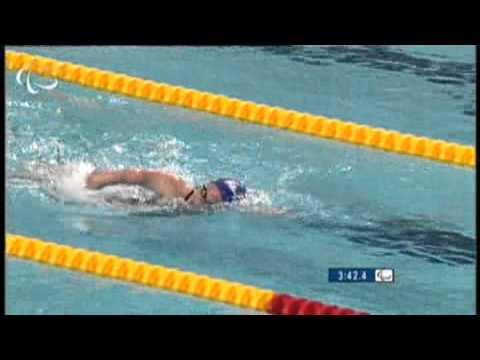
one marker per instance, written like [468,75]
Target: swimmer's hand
[95,181]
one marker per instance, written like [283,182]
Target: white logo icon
[384,275]
[29,84]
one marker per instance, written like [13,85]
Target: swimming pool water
[350,206]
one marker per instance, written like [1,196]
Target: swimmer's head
[230,189]
[219,191]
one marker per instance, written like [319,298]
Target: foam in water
[71,184]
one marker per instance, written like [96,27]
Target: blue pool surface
[348,206]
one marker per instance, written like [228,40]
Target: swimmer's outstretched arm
[102,178]
[165,184]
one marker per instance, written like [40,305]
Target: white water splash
[289,176]
[256,198]
[117,101]
[71,182]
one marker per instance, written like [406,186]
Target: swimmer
[66,182]
[169,186]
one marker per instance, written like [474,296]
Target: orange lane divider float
[201,286]
[334,129]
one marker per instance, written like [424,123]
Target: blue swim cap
[231,189]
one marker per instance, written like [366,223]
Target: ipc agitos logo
[384,275]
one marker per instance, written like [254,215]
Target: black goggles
[203,193]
